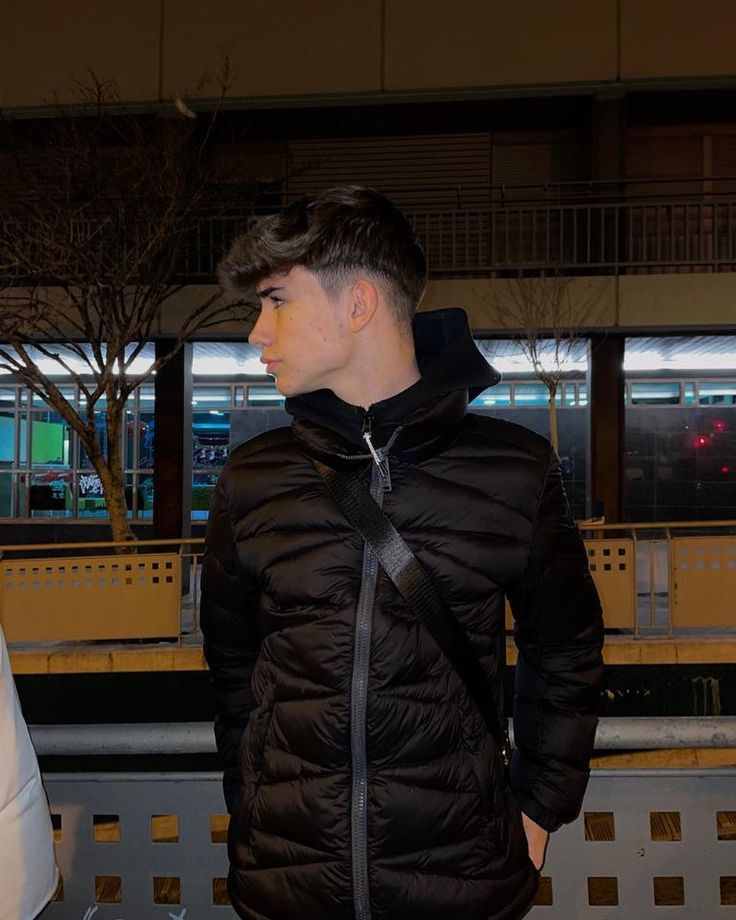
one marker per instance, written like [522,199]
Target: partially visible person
[28,871]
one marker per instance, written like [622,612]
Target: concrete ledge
[76,658]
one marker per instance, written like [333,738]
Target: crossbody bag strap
[414,585]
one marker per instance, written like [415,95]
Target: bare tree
[546,317]
[97,207]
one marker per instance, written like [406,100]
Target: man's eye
[277,301]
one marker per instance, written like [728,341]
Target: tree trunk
[115,487]
[552,388]
[112,476]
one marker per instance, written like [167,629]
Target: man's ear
[362,304]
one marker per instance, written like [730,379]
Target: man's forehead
[270,283]
[296,276]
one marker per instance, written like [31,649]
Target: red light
[719,426]
[701,441]
[725,469]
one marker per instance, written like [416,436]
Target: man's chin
[286,389]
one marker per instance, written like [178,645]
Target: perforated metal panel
[704,581]
[126,841]
[648,844]
[90,597]
[612,565]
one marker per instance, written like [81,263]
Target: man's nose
[261,334]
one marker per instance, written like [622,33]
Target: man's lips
[270,364]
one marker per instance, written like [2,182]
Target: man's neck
[382,380]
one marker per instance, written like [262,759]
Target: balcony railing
[600,227]
[606,237]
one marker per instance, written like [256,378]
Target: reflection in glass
[69,393]
[51,440]
[7,438]
[534,394]
[145,496]
[211,438]
[717,394]
[90,497]
[101,427]
[146,439]
[655,393]
[494,396]
[49,494]
[218,397]
[203,485]
[264,396]
[6,495]
[680,464]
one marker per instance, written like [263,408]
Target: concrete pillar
[172,466]
[607,421]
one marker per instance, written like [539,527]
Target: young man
[362,780]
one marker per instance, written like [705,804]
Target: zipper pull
[380,461]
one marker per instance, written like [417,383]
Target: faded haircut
[342,233]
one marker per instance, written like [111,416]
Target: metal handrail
[638,733]
[584,525]
[655,525]
[101,544]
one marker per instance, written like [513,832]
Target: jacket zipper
[380,482]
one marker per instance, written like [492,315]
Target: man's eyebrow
[266,292]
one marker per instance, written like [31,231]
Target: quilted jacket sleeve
[231,640]
[559,634]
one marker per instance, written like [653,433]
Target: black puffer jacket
[366,784]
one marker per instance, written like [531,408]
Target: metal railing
[664,577]
[654,578]
[102,590]
[605,237]
[640,225]
[146,845]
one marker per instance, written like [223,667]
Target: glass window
[264,396]
[7,438]
[6,495]
[688,390]
[145,495]
[51,440]
[90,498]
[717,394]
[499,395]
[582,394]
[22,439]
[570,395]
[533,394]
[146,438]
[7,397]
[218,397]
[239,396]
[69,393]
[146,397]
[101,425]
[203,485]
[49,494]
[211,438]
[655,393]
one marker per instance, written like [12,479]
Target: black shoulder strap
[414,585]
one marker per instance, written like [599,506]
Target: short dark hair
[341,232]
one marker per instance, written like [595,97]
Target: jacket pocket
[252,757]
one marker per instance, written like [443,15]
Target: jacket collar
[417,422]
